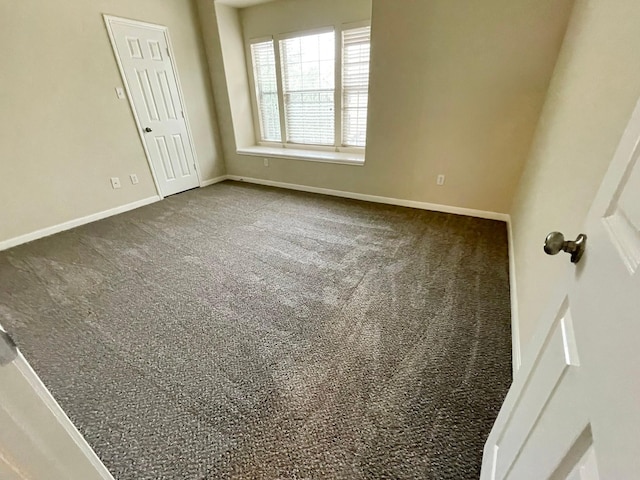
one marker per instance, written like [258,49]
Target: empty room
[319,239]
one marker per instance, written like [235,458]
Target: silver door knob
[555,243]
[148,130]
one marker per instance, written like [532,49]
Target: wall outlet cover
[134,178]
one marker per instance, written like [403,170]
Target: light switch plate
[115,182]
[120,93]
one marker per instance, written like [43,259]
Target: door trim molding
[109,20]
[29,374]
[45,232]
[516,352]
[32,378]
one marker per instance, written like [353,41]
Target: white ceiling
[242,3]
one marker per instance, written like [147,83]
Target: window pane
[308,76]
[356,46]
[264,73]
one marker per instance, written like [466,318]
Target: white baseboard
[211,181]
[515,330]
[376,199]
[515,324]
[45,232]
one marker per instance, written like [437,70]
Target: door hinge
[8,348]
[182,114]
[168,52]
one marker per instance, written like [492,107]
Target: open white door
[151,79]
[573,410]
[37,439]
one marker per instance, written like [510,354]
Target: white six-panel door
[573,411]
[143,55]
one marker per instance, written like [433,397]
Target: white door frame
[45,396]
[109,20]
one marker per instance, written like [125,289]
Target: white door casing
[573,411]
[37,439]
[146,62]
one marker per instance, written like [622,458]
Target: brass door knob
[555,243]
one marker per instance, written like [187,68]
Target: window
[355,85]
[308,85]
[264,71]
[300,101]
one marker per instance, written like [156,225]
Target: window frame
[337,29]
[257,123]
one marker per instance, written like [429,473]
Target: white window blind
[308,78]
[264,72]
[356,46]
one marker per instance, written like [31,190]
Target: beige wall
[63,131]
[456,88]
[208,13]
[232,45]
[290,16]
[594,89]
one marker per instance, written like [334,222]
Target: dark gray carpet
[247,332]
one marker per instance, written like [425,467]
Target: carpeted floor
[247,332]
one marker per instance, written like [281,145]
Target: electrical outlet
[266,162]
[440,180]
[115,182]
[120,93]
[134,178]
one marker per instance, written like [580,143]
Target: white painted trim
[359,24]
[280,92]
[304,33]
[253,93]
[45,232]
[377,199]
[338,91]
[266,38]
[516,352]
[108,21]
[211,181]
[65,422]
[32,378]
[308,155]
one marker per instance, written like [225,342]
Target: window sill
[308,155]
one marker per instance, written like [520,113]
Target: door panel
[622,220]
[152,84]
[573,411]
